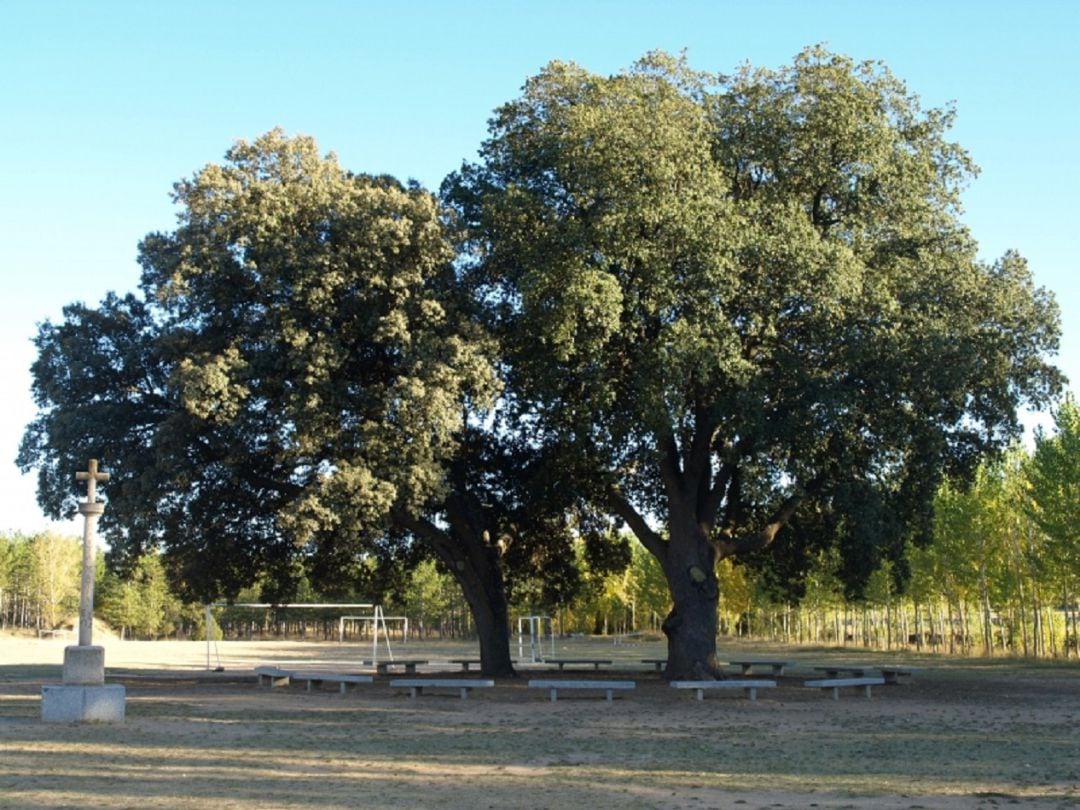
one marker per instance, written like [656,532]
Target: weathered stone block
[65,703]
[84,665]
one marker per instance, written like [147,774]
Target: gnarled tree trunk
[475,561]
[690,568]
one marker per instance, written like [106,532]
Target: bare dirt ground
[961,734]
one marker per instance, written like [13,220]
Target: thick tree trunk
[690,627]
[476,565]
[485,592]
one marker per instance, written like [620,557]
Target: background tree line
[1001,575]
[40,581]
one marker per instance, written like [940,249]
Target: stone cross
[91,509]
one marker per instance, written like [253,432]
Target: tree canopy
[740,315]
[290,374]
[744,302]
[1054,494]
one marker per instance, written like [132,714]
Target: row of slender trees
[1000,575]
[40,583]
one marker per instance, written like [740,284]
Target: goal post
[344,621]
[211,623]
[535,626]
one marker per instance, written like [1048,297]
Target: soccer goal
[377,619]
[535,626]
[213,630]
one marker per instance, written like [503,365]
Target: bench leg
[868,690]
[414,691]
[554,694]
[836,693]
[700,694]
[610,694]
[752,693]
[464,692]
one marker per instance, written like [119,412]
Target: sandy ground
[961,734]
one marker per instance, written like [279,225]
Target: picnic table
[890,674]
[836,670]
[746,666]
[409,665]
[465,663]
[596,663]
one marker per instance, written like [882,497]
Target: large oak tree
[296,390]
[741,303]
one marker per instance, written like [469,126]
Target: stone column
[84,696]
[90,511]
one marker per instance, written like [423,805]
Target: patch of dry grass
[961,735]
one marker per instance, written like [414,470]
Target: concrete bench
[776,667]
[553,686]
[596,663]
[844,671]
[659,663]
[891,674]
[272,676]
[749,686]
[410,665]
[416,686]
[465,663]
[317,679]
[835,684]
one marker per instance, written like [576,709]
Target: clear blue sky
[106,104]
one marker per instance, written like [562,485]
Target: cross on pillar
[91,509]
[92,476]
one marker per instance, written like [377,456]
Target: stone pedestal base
[68,703]
[84,666]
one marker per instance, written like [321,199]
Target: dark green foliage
[735,299]
[287,379]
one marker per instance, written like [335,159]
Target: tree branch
[653,542]
[669,462]
[713,496]
[753,541]
[697,467]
